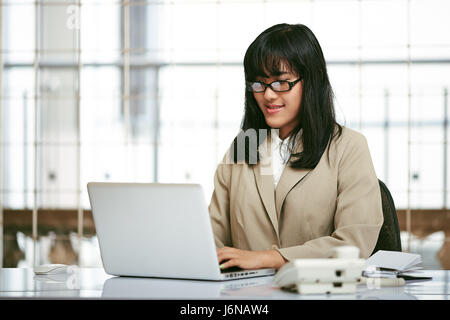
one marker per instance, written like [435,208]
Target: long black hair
[296,47]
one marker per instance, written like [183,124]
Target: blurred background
[153,91]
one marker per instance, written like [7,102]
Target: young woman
[320,191]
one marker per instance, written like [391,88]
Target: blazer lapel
[264,181]
[289,178]
[272,198]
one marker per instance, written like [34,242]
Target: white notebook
[395,261]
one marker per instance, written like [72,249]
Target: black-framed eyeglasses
[277,86]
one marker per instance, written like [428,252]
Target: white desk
[94,283]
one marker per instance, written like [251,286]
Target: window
[150,91]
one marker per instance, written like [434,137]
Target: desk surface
[94,283]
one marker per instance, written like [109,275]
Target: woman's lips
[273,108]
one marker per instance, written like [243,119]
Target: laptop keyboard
[231,269]
[235,272]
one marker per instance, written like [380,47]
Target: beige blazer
[310,211]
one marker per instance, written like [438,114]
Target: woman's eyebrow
[273,74]
[278,73]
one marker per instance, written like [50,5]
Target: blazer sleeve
[358,217]
[219,207]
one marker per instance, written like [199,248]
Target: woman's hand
[232,257]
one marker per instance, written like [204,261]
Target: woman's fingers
[245,259]
[226,249]
[229,264]
[229,257]
[232,257]
[225,254]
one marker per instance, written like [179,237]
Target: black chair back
[389,237]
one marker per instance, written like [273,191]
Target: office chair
[389,237]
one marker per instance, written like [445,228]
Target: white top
[280,155]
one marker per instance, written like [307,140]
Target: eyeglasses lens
[257,87]
[277,86]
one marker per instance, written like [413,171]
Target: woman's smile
[273,108]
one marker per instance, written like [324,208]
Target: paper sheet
[394,260]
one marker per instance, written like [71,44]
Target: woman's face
[281,109]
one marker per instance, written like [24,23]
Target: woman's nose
[269,94]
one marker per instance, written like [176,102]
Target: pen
[383,282]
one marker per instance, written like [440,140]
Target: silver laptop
[157,230]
